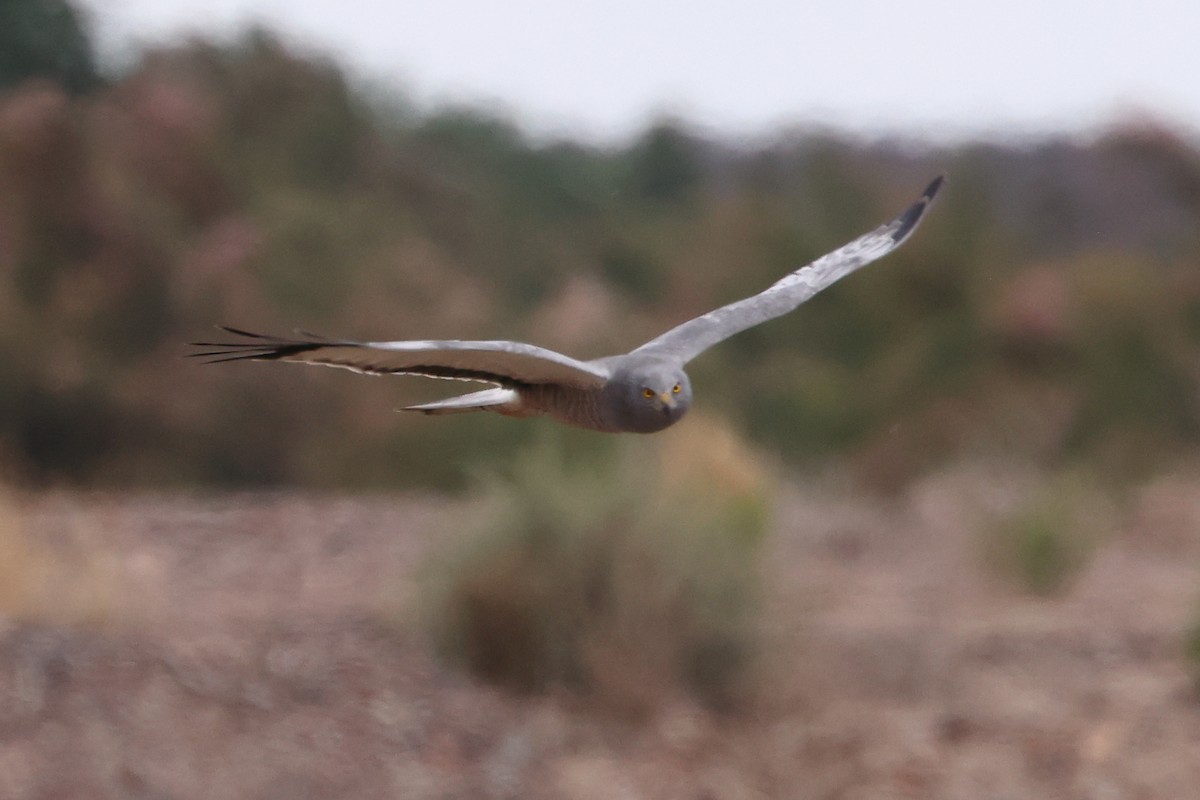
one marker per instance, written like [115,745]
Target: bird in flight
[642,391]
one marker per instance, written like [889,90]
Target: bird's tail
[486,400]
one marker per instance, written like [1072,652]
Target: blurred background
[898,528]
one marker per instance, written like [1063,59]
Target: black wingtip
[933,188]
[909,219]
[260,347]
[240,332]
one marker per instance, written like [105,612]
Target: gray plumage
[642,391]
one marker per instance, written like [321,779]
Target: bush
[1191,653]
[629,578]
[1045,541]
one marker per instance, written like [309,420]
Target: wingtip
[933,188]
[240,332]
[909,219]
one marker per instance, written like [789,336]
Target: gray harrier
[642,391]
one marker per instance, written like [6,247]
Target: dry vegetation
[72,580]
[275,646]
[980,578]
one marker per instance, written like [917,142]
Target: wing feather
[686,341]
[503,363]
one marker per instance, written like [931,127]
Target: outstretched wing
[686,341]
[503,363]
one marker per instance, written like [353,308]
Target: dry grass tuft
[75,583]
[22,569]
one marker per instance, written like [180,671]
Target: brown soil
[258,647]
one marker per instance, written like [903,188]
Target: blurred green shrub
[1191,652]
[1044,542]
[631,576]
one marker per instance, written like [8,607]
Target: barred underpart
[567,405]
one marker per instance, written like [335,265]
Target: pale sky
[602,69]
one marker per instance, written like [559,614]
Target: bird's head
[649,396]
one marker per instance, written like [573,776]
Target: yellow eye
[677,388]
[647,393]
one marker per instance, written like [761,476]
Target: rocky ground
[262,647]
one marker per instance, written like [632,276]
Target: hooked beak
[668,400]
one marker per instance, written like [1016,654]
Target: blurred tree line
[1049,310]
